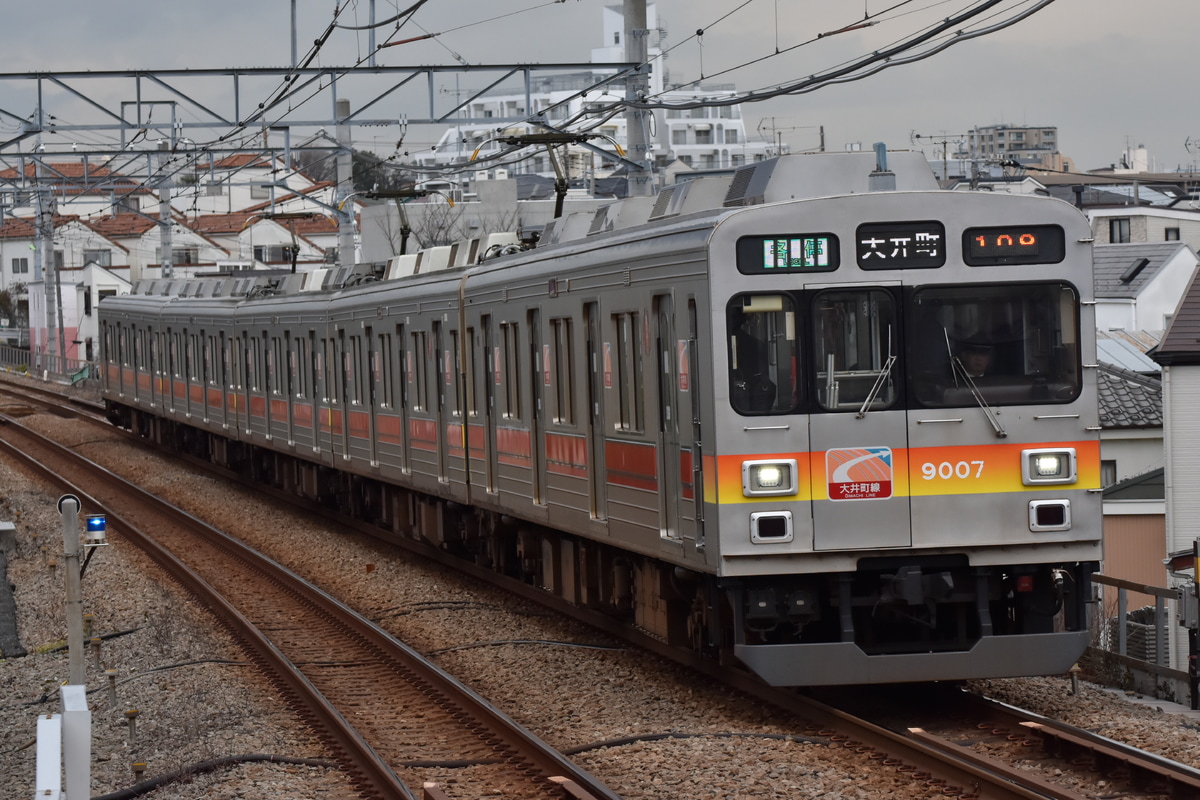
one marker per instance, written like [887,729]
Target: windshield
[763,354]
[863,349]
[1016,344]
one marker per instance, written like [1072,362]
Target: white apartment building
[710,137]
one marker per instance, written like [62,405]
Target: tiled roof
[210,224]
[57,171]
[22,228]
[1116,273]
[1128,399]
[16,228]
[243,160]
[120,226]
[234,223]
[1181,343]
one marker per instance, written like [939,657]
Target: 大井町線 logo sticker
[859,473]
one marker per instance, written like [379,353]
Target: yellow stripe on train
[920,472]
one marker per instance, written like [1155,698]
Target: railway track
[942,760]
[393,719]
[1043,757]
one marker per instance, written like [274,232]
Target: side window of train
[453,369]
[1008,343]
[628,372]
[469,370]
[385,370]
[562,371]
[855,344]
[510,369]
[764,354]
[417,373]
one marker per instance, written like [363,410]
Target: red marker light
[1024,583]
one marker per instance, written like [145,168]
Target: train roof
[791,177]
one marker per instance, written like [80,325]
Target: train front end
[906,439]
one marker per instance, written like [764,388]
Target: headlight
[1048,466]
[768,478]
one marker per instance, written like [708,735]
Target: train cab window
[763,354]
[855,341]
[1001,344]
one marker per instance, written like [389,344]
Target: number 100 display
[1011,244]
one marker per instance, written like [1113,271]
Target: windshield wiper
[957,369]
[883,376]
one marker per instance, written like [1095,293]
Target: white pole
[77,742]
[68,506]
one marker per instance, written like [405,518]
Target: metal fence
[45,366]
[1139,640]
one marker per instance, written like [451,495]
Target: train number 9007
[947,470]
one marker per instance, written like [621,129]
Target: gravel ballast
[199,701]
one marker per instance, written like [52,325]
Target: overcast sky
[1108,73]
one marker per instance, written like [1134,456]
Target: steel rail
[379,777]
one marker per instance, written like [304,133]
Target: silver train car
[817,416]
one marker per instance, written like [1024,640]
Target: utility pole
[345,176]
[636,128]
[43,256]
[164,212]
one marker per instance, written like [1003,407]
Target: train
[818,417]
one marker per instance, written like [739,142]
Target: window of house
[1108,473]
[1172,234]
[179,255]
[100,257]
[731,136]
[1118,230]
[20,266]
[273,254]
[679,136]
[704,136]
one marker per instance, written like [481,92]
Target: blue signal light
[96,523]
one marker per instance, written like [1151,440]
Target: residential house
[81,188]
[247,180]
[1138,285]
[258,239]
[76,295]
[1179,355]
[1146,224]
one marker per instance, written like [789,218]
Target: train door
[858,432]
[372,383]
[691,512]
[598,365]
[441,376]
[316,387]
[539,378]
[251,365]
[491,378]
[404,377]
[339,377]
[669,488]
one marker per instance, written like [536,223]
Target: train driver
[975,355]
